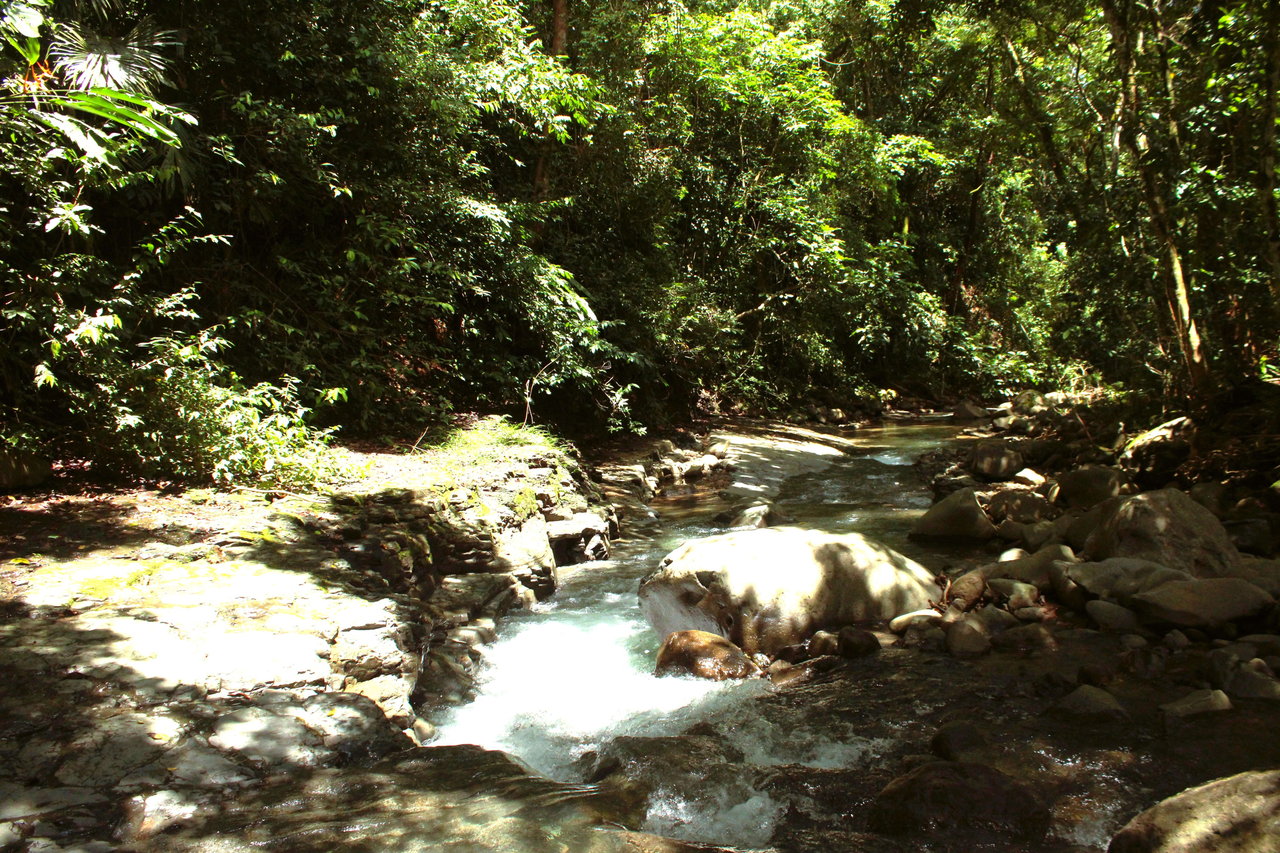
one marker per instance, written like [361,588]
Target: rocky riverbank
[227,671]
[160,651]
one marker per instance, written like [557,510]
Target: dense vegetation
[219,218]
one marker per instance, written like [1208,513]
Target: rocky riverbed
[223,671]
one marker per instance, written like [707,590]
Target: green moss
[525,504]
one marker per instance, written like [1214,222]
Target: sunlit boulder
[705,655]
[770,588]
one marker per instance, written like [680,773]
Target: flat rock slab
[762,460]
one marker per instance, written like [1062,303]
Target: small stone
[1197,702]
[1133,641]
[1176,640]
[1091,703]
[823,643]
[856,642]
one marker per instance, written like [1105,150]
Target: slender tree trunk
[559,47]
[1177,291]
[1271,215]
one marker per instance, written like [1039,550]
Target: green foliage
[416,208]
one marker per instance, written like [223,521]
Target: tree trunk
[1271,215]
[1177,291]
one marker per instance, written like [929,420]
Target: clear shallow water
[568,677]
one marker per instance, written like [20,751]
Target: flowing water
[571,676]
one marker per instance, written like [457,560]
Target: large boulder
[1240,814]
[1090,485]
[1166,527]
[1154,456]
[995,460]
[1119,579]
[966,410]
[705,655]
[957,516]
[774,587]
[1202,602]
[20,470]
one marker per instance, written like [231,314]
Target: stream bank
[309,766]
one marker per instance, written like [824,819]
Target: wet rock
[1176,640]
[473,798]
[995,460]
[1237,814]
[950,797]
[1168,528]
[704,655]
[1088,702]
[759,515]
[1090,485]
[854,642]
[957,516]
[957,740]
[1111,616]
[1202,603]
[1197,702]
[968,638]
[770,588]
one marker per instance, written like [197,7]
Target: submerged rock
[774,587]
[1238,814]
[950,797]
[705,655]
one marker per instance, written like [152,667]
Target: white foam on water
[552,690]
[721,818]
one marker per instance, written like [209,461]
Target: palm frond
[129,63]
